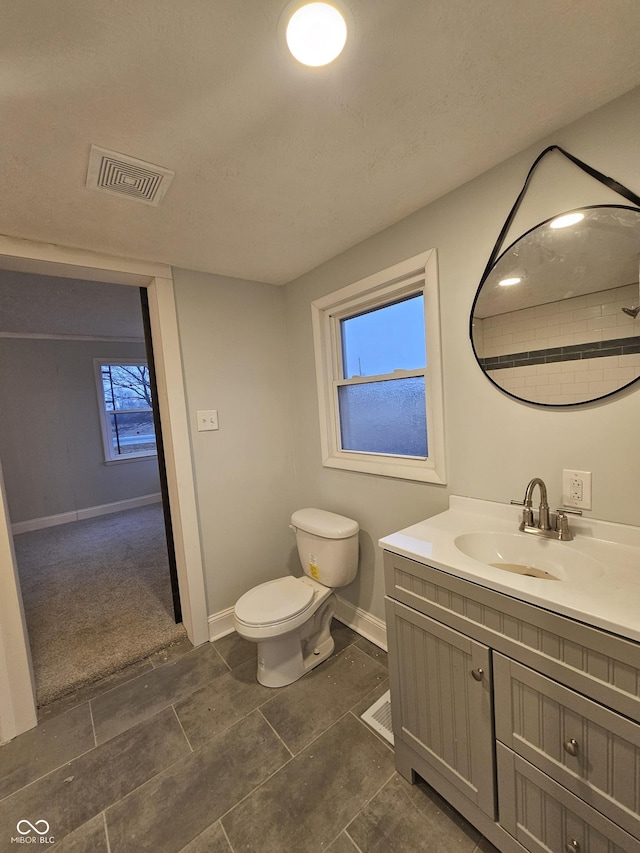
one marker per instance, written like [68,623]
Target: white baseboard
[220,624]
[80,514]
[360,621]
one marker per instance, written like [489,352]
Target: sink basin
[525,554]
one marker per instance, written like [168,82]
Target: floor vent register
[378,716]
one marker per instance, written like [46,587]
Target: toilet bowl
[290,618]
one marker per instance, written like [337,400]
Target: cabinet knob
[571,746]
[572,846]
[478,673]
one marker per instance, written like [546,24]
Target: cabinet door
[546,818]
[441,700]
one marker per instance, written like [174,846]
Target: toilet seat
[274,601]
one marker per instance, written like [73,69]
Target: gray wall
[235,360]
[494,443]
[50,439]
[40,304]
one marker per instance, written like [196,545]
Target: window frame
[414,276]
[110,456]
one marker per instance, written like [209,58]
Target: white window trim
[415,275]
[110,457]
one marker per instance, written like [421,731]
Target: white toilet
[290,618]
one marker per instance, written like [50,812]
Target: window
[378,366]
[124,397]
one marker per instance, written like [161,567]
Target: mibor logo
[30,827]
[33,833]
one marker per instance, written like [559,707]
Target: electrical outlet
[576,489]
[207,420]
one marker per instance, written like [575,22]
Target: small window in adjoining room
[377,346]
[124,397]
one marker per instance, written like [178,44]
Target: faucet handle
[527,514]
[562,523]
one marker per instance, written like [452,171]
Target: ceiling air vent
[115,173]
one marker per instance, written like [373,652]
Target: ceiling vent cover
[119,174]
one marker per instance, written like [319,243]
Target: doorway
[17,703]
[82,478]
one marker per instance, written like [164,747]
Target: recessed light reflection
[566,220]
[507,282]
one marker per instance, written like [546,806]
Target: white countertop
[606,596]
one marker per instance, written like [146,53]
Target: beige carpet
[97,597]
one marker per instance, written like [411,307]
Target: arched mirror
[556,319]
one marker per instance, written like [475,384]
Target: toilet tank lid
[326,524]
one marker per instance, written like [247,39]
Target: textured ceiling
[279,167]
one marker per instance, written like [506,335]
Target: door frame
[18,710]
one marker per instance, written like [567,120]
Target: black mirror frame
[496,255]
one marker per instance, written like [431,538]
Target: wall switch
[576,489]
[207,420]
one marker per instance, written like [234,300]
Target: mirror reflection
[556,320]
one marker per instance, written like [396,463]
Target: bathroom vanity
[518,697]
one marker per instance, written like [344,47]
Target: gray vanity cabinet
[443,700]
[526,721]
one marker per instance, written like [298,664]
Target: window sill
[410,469]
[126,459]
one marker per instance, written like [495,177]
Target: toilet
[290,618]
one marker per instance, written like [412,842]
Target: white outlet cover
[569,477]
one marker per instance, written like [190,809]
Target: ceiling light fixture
[566,219]
[507,282]
[316,34]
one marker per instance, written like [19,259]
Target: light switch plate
[207,420]
[576,489]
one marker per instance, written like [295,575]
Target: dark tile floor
[187,752]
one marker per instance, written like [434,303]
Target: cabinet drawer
[441,701]
[595,662]
[592,751]
[546,818]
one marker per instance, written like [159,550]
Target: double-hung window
[378,367]
[126,415]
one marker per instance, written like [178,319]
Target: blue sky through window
[384,340]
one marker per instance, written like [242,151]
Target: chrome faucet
[543,527]
[543,509]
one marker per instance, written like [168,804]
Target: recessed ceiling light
[316,34]
[565,220]
[507,282]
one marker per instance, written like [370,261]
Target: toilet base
[283,660]
[280,662]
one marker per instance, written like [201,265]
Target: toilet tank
[327,546]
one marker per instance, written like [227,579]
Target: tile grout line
[346,832]
[49,773]
[259,710]
[366,654]
[86,752]
[106,830]
[102,693]
[173,708]
[363,806]
[264,781]
[224,832]
[93,726]
[228,665]
[169,703]
[382,739]
[344,829]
